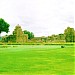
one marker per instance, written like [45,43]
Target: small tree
[30,34]
[4,26]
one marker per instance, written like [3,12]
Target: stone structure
[19,36]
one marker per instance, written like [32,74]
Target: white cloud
[42,17]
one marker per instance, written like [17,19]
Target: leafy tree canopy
[30,34]
[4,26]
[69,34]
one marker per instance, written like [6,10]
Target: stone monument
[20,37]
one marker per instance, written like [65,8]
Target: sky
[42,17]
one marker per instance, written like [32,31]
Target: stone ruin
[20,37]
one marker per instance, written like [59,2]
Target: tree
[69,34]
[61,37]
[30,34]
[4,26]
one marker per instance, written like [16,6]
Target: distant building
[19,36]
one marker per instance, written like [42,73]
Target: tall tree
[4,26]
[30,34]
[69,34]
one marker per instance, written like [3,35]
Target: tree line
[68,35]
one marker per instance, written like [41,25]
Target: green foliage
[61,37]
[11,38]
[30,34]
[4,26]
[69,34]
[5,38]
[58,38]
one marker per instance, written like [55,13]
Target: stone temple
[20,37]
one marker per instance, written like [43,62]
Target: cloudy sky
[42,17]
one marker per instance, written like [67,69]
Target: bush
[62,46]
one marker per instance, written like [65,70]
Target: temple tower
[19,35]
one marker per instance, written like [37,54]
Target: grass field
[36,60]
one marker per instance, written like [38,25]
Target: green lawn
[36,60]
